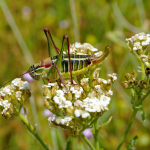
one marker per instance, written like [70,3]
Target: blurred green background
[99,23]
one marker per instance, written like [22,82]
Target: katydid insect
[60,66]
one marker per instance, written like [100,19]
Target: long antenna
[16,77]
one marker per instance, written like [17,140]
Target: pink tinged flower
[87,133]
[28,78]
[47,113]
[24,111]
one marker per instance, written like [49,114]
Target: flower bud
[125,84]
[134,74]
[142,84]
[127,76]
[88,133]
[147,71]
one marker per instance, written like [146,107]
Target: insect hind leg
[60,76]
[51,44]
[67,38]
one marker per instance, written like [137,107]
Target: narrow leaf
[131,145]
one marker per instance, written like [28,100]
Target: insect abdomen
[78,62]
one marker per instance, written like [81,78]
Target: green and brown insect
[60,66]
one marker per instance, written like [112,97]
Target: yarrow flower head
[13,97]
[139,45]
[85,48]
[78,104]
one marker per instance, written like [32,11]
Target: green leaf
[142,112]
[131,145]
[106,123]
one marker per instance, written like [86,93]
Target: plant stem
[135,110]
[68,143]
[142,65]
[142,99]
[96,139]
[128,128]
[143,70]
[32,130]
[87,141]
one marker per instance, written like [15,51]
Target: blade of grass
[16,32]
[74,19]
[141,11]
[122,19]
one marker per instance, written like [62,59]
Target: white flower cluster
[12,94]
[140,44]
[59,120]
[6,107]
[78,103]
[22,85]
[85,48]
[113,76]
[61,100]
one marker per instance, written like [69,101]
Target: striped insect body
[60,65]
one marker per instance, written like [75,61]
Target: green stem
[143,70]
[96,139]
[68,143]
[88,125]
[142,65]
[96,131]
[128,128]
[132,119]
[87,141]
[147,80]
[32,130]
[142,99]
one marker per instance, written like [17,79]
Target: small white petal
[147,34]
[77,113]
[56,99]
[62,121]
[144,43]
[53,117]
[26,85]
[97,87]
[110,92]
[85,115]
[134,48]
[60,93]
[94,49]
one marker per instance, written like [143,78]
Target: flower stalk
[32,130]
[96,131]
[139,46]
[87,141]
[128,128]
